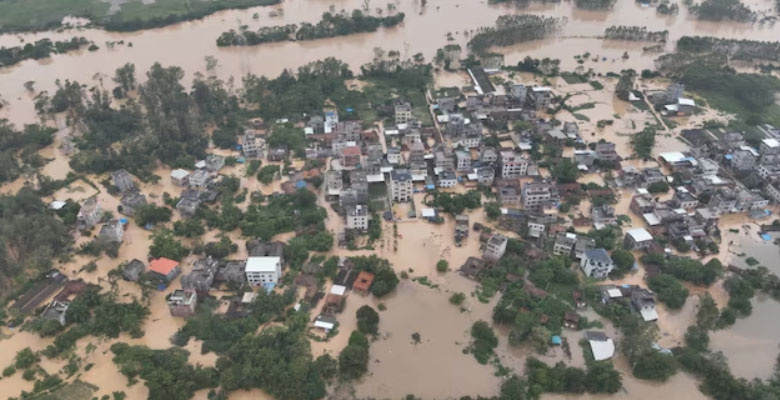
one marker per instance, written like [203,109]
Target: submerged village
[456,225]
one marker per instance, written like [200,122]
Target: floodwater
[752,344]
[423,31]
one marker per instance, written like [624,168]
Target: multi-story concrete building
[263,270]
[403,112]
[357,217]
[495,247]
[401,185]
[538,194]
[512,165]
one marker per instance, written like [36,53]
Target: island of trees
[635,33]
[42,48]
[331,25]
[513,29]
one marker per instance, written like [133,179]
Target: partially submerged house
[182,303]
[164,268]
[602,347]
[133,270]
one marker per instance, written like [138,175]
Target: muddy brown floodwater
[424,30]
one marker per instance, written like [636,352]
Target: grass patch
[581,117]
[78,390]
[722,102]
[640,105]
[596,85]
[574,78]
[27,15]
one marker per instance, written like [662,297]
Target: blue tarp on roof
[766,236]
[556,340]
[300,184]
[728,156]
[269,286]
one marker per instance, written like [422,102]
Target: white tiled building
[261,270]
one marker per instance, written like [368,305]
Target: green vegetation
[164,244]
[218,332]
[282,214]
[166,373]
[442,266]
[42,48]
[167,124]
[658,187]
[455,203]
[703,69]
[643,143]
[669,290]
[35,15]
[457,298]
[565,171]
[385,279]
[331,25]
[19,149]
[718,10]
[98,314]
[598,377]
[623,260]
[513,29]
[367,320]
[353,360]
[31,236]
[595,4]
[483,341]
[596,85]
[606,237]
[734,49]
[635,33]
[626,84]
[151,214]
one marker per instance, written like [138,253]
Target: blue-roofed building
[556,340]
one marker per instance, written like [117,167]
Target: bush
[353,360]
[658,187]
[483,341]
[669,290]
[25,358]
[457,298]
[623,260]
[367,320]
[442,266]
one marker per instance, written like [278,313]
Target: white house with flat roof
[637,238]
[261,270]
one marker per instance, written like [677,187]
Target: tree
[493,210]
[353,360]
[565,171]
[457,298]
[658,187]
[165,245]
[367,320]
[643,143]
[442,266]
[483,341]
[669,290]
[626,84]
[707,315]
[151,214]
[655,365]
[125,79]
[602,378]
[623,260]
[25,358]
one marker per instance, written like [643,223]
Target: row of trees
[735,49]
[718,10]
[513,29]
[42,48]
[454,203]
[635,33]
[331,25]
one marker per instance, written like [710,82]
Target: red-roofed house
[363,282]
[165,267]
[351,156]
